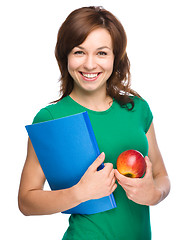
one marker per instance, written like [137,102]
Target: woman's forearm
[163,185]
[40,202]
[93,185]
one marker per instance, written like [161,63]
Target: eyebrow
[100,48]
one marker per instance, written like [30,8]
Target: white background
[29,81]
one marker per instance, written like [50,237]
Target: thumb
[99,160]
[148,166]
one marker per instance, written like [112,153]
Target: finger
[129,196]
[99,160]
[112,175]
[113,181]
[119,176]
[148,167]
[114,188]
[122,180]
[108,168]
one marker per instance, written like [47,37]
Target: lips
[90,76]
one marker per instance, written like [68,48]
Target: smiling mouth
[90,76]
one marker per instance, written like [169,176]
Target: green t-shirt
[116,130]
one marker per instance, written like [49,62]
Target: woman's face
[91,63]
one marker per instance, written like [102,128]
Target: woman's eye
[102,53]
[78,52]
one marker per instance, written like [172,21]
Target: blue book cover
[65,148]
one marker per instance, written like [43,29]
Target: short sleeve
[148,116]
[42,116]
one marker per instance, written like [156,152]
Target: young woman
[95,76]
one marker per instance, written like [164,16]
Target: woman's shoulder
[142,107]
[140,102]
[52,111]
[44,114]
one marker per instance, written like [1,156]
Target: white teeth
[90,75]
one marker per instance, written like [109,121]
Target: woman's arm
[33,200]
[155,185]
[160,175]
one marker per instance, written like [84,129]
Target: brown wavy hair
[75,30]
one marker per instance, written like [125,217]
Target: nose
[90,63]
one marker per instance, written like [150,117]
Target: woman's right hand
[97,184]
[33,200]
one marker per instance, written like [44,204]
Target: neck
[93,101]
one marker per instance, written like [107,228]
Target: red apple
[131,163]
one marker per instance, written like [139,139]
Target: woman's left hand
[140,190]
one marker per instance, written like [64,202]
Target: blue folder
[65,148]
